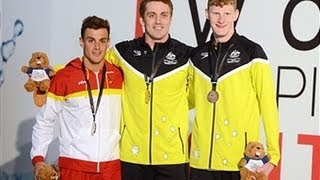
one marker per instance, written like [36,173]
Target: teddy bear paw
[30,87]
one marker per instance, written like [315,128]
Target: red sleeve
[37,159]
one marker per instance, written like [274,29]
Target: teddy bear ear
[31,59]
[45,55]
[248,144]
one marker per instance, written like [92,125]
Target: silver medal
[93,128]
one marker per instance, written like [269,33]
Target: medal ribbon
[154,70]
[216,69]
[94,110]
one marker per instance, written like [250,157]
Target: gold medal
[213,96]
[147,96]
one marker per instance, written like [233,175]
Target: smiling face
[156,21]
[94,43]
[222,20]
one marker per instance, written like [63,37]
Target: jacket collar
[141,41]
[232,40]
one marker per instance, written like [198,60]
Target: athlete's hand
[37,167]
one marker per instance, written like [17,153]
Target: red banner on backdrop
[314,141]
[138,29]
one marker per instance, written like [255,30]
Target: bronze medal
[213,96]
[147,96]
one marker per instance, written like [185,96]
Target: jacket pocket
[122,132]
[181,140]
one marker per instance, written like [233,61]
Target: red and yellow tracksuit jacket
[68,103]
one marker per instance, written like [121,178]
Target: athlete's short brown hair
[144,3]
[222,3]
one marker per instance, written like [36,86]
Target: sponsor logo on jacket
[234,57]
[82,82]
[204,55]
[170,59]
[136,53]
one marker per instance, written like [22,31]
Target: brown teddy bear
[254,157]
[48,172]
[39,73]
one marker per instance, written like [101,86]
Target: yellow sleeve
[264,87]
[112,56]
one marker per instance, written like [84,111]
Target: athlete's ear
[141,21]
[236,15]
[81,42]
[109,42]
[207,13]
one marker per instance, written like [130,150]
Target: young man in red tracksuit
[85,97]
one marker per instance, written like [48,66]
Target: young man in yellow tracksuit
[155,119]
[232,90]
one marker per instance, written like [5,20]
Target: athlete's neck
[92,66]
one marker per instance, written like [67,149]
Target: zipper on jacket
[98,163]
[212,134]
[150,133]
[217,74]
[154,53]
[214,75]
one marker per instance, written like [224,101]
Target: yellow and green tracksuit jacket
[155,132]
[246,96]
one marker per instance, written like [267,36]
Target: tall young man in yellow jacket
[154,133]
[233,90]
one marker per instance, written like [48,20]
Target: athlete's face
[94,43]
[222,21]
[156,21]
